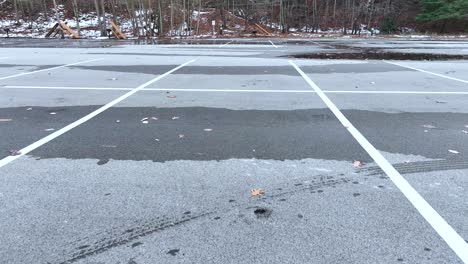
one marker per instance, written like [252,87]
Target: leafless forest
[158,17]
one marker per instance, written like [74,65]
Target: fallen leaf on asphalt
[5,120]
[175,118]
[358,164]
[171,96]
[429,126]
[208,129]
[181,136]
[15,152]
[257,192]
[453,151]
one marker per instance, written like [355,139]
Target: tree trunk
[100,22]
[334,10]
[282,20]
[198,17]
[15,3]
[161,20]
[57,15]
[114,13]
[370,10]
[353,15]
[104,20]
[442,28]
[172,18]
[327,10]
[131,13]
[76,10]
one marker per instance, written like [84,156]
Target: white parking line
[229,90]
[65,88]
[155,89]
[428,72]
[273,44]
[394,92]
[451,237]
[226,44]
[82,120]
[48,69]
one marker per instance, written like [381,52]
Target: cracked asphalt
[166,174]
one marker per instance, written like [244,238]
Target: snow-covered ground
[89,24]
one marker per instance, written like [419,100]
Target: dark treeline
[349,16]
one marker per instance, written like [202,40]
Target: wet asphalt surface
[165,176]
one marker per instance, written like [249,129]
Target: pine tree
[434,10]
[459,8]
[437,10]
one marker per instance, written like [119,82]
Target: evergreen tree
[438,10]
[459,8]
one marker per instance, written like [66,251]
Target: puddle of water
[379,56]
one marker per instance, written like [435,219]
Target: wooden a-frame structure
[118,34]
[262,29]
[62,28]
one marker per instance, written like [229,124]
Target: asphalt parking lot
[124,152]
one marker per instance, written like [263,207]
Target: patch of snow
[196,14]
